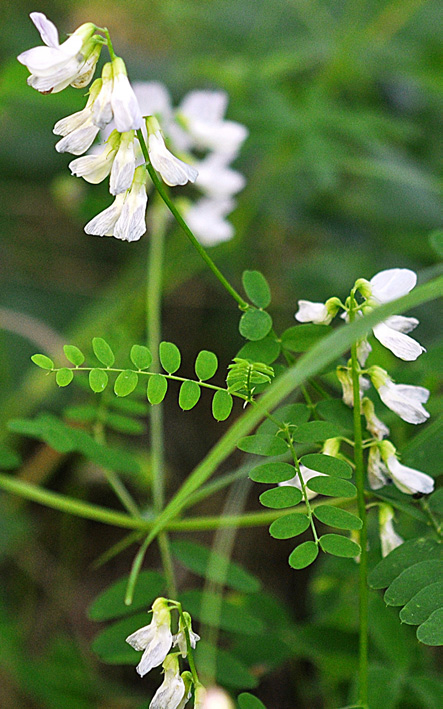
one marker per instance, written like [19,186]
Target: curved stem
[363,537]
[178,217]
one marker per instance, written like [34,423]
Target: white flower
[384,287]
[180,638]
[216,179]
[56,65]
[377,470]
[125,218]
[392,284]
[171,692]
[87,70]
[172,170]
[102,108]
[207,220]
[374,425]
[127,114]
[389,538]
[94,168]
[78,129]
[406,400]
[123,167]
[215,698]
[317,313]
[407,480]
[201,113]
[155,639]
[306,474]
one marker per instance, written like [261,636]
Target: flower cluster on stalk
[156,641]
[406,400]
[125,115]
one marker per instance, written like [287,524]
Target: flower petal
[47,29]
[401,345]
[313,312]
[409,480]
[405,400]
[392,283]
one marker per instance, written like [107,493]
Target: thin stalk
[303,488]
[178,217]
[363,536]
[153,329]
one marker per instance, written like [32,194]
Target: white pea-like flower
[214,698]
[172,690]
[172,170]
[374,425]
[216,179]
[306,474]
[408,480]
[206,218]
[389,539]
[201,113]
[125,219]
[95,167]
[102,108]
[382,288]
[317,313]
[55,66]
[345,379]
[78,130]
[180,638]
[155,639]
[377,470]
[406,400]
[125,108]
[124,164]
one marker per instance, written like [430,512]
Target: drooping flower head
[155,639]
[408,480]
[406,400]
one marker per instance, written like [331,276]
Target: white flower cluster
[114,108]
[404,399]
[156,640]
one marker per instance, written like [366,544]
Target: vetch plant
[302,404]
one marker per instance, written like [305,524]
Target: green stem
[178,217]
[303,488]
[189,648]
[363,537]
[109,43]
[153,328]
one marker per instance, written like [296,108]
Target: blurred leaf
[231,616]
[256,288]
[255,324]
[110,603]
[248,701]
[231,672]
[300,338]
[110,645]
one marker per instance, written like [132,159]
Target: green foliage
[337,517]
[315,432]
[42,361]
[206,365]
[74,355]
[339,545]
[189,395]
[157,388]
[232,616]
[255,324]
[300,338]
[110,603]
[261,444]
[213,566]
[303,555]
[244,376]
[280,497]
[248,701]
[103,351]
[8,459]
[257,289]
[64,377]
[327,464]
[222,404]
[289,526]
[170,357]
[413,575]
[265,350]
[334,487]
[98,380]
[272,473]
[141,357]
[125,383]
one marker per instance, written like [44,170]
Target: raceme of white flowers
[156,640]
[406,400]
[116,108]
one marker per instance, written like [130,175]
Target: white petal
[208,106]
[363,351]
[222,137]
[170,693]
[377,470]
[156,650]
[101,108]
[127,114]
[93,168]
[44,61]
[217,179]
[103,224]
[405,400]
[131,224]
[48,31]
[389,538]
[401,323]
[206,219]
[392,283]
[401,345]
[312,312]
[79,140]
[306,474]
[173,171]
[142,637]
[409,480]
[70,123]
[123,167]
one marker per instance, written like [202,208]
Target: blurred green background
[342,102]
